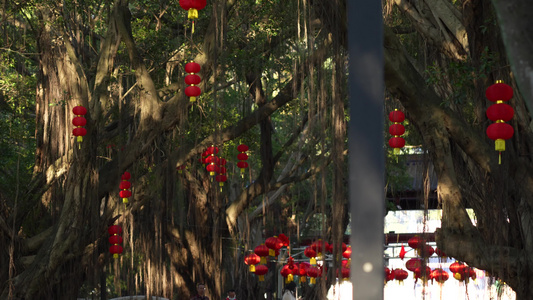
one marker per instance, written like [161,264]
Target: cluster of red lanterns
[79,121]
[396,130]
[215,165]
[211,160]
[396,274]
[192,80]
[258,259]
[115,240]
[125,187]
[192,7]
[424,273]
[242,157]
[499,113]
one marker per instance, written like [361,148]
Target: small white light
[367,267]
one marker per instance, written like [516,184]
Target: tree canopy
[273,77]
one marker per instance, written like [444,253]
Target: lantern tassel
[499,158]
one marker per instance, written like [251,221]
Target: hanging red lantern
[416,243]
[192,7]
[311,253]
[115,240]
[319,246]
[79,121]
[313,273]
[273,244]
[500,113]
[499,92]
[221,179]
[457,267]
[286,272]
[126,176]
[251,260]
[284,239]
[389,275]
[114,229]
[260,271]
[262,251]
[347,253]
[302,270]
[400,275]
[439,275]
[192,80]
[396,130]
[423,273]
[124,187]
[242,156]
[413,263]
[345,273]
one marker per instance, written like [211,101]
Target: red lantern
[192,7]
[426,250]
[284,239]
[499,113]
[423,273]
[345,273]
[415,242]
[286,272]
[79,121]
[192,67]
[115,250]
[499,92]
[457,267]
[79,132]
[124,187]
[311,253]
[251,260]
[221,179]
[273,244]
[319,246]
[115,239]
[396,130]
[126,176]
[79,110]
[212,150]
[413,263]
[302,270]
[439,275]
[262,251]
[400,275]
[313,273]
[114,229]
[347,253]
[242,164]
[261,270]
[192,80]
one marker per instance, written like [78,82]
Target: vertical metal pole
[366,154]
